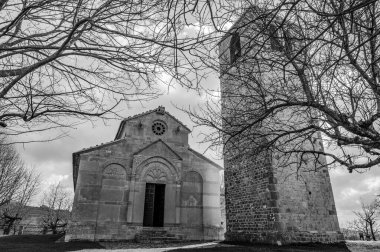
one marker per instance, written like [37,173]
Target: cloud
[352,188]
[373,184]
[54,179]
[197,28]
[349,193]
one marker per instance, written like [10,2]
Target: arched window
[274,38]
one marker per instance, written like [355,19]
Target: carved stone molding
[137,160]
[142,166]
[156,174]
[115,170]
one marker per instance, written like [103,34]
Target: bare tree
[354,231]
[79,59]
[18,185]
[12,173]
[14,211]
[57,204]
[360,226]
[316,61]
[297,71]
[367,217]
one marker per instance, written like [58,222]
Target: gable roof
[206,159]
[98,146]
[85,150]
[160,108]
[155,142]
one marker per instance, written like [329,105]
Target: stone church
[147,179]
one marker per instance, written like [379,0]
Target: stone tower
[265,203]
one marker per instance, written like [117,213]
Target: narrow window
[288,41]
[235,48]
[274,38]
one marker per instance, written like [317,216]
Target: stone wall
[250,198]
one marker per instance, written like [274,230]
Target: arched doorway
[163,174]
[154,203]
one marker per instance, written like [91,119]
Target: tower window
[274,38]
[235,48]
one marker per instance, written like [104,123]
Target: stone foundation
[129,232]
[281,238]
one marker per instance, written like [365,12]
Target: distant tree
[351,233]
[360,226]
[78,59]
[12,172]
[14,211]
[367,218]
[56,204]
[18,185]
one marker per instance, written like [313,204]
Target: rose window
[158,128]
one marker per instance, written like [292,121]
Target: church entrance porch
[154,205]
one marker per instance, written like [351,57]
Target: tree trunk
[372,233]
[54,229]
[8,228]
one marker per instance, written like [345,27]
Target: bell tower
[267,203]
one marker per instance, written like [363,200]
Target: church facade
[148,178]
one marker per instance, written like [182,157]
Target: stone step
[153,234]
[157,236]
[159,240]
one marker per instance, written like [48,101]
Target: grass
[45,243]
[42,243]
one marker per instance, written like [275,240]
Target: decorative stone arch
[114,185]
[156,169]
[192,185]
[192,176]
[115,170]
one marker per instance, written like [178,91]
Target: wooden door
[159,205]
[149,205]
[154,205]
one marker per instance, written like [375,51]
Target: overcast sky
[54,159]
